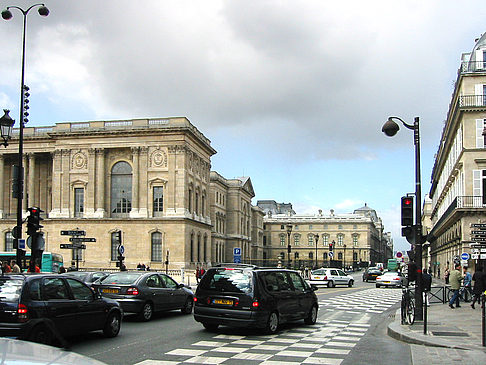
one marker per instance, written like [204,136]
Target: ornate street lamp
[18,169]
[289,246]
[6,124]
[390,128]
[344,257]
[316,238]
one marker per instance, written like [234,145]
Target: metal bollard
[483,307]
[425,312]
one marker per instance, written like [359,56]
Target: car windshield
[81,275]
[10,290]
[121,278]
[227,280]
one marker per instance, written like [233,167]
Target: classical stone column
[56,184]
[100,183]
[65,185]
[2,184]
[24,200]
[143,182]
[31,181]
[89,208]
[135,181]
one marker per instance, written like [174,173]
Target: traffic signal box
[407,211]
[33,221]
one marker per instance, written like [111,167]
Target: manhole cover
[458,334]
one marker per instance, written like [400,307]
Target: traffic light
[33,221]
[26,103]
[407,211]
[330,247]
[409,234]
[412,271]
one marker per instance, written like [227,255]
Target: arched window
[121,189]
[114,246]
[156,254]
[192,247]
[311,256]
[324,255]
[198,248]
[340,256]
[205,244]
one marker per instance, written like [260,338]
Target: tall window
[114,247]
[197,202]
[121,189]
[8,241]
[158,192]
[355,241]
[156,254]
[325,240]
[310,240]
[282,240]
[340,240]
[340,256]
[324,255]
[78,202]
[296,239]
[189,196]
[192,247]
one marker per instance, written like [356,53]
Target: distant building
[272,207]
[458,190]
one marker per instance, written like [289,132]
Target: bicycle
[407,307]
[465,294]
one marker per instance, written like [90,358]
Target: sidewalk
[453,335]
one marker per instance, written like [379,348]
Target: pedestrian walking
[455,281]
[467,288]
[15,267]
[427,280]
[6,267]
[198,274]
[447,273]
[479,279]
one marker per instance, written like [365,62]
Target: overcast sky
[292,94]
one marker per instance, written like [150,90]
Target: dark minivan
[248,296]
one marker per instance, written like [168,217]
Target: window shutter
[477,182]
[479,60]
[479,133]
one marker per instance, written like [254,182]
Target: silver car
[330,277]
[390,278]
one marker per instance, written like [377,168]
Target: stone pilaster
[65,183]
[100,183]
[56,184]
[32,202]
[143,183]
[135,182]
[89,208]
[2,184]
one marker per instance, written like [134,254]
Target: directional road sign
[479,232]
[331,254]
[478,239]
[73,233]
[82,239]
[478,225]
[73,245]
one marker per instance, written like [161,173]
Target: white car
[330,277]
[390,278]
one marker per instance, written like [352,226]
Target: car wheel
[272,323]
[350,283]
[377,286]
[210,326]
[187,309]
[330,284]
[312,316]
[146,313]
[112,325]
[366,280]
[41,334]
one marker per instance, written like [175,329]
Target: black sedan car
[145,292]
[46,308]
[371,273]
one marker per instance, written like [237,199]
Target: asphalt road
[359,315]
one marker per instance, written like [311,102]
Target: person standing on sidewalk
[447,272]
[455,279]
[479,279]
[427,280]
[467,290]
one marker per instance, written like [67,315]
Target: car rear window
[10,289]
[227,281]
[319,272]
[120,278]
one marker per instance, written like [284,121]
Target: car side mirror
[313,287]
[180,286]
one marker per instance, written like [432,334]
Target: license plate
[110,291]
[317,278]
[223,301]
[386,282]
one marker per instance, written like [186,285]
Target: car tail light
[23,313]
[132,291]
[195,299]
[378,278]
[236,303]
[396,279]
[325,277]
[255,304]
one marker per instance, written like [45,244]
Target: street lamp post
[390,128]
[344,257]
[316,238]
[7,15]
[6,124]
[289,246]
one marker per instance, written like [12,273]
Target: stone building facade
[458,190]
[148,178]
[359,239]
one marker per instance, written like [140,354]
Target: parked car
[390,278]
[145,292]
[330,277]
[88,277]
[248,296]
[46,308]
[27,353]
[371,273]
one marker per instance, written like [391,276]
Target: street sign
[399,254]
[72,245]
[22,243]
[82,239]
[237,251]
[121,250]
[479,232]
[475,256]
[482,256]
[331,254]
[73,233]
[478,225]
[465,256]
[478,239]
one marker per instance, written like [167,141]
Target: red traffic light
[408,201]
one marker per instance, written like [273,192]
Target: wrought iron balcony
[473,66]
[460,202]
[472,101]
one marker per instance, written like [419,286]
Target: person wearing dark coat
[479,279]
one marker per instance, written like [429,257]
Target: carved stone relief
[79,161]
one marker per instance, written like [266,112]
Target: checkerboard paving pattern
[369,301]
[324,343]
